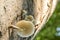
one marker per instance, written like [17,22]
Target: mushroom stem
[17,28]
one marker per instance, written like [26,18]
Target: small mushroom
[24,28]
[30,18]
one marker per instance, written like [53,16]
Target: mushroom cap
[26,28]
[29,18]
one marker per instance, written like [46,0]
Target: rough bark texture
[11,10]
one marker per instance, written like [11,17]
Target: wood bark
[11,12]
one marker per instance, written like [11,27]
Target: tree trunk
[11,12]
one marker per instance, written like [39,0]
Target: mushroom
[24,28]
[30,18]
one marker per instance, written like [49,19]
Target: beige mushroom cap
[26,28]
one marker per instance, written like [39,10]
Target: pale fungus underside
[26,28]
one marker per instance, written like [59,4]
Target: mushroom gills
[24,28]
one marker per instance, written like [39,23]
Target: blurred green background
[49,32]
